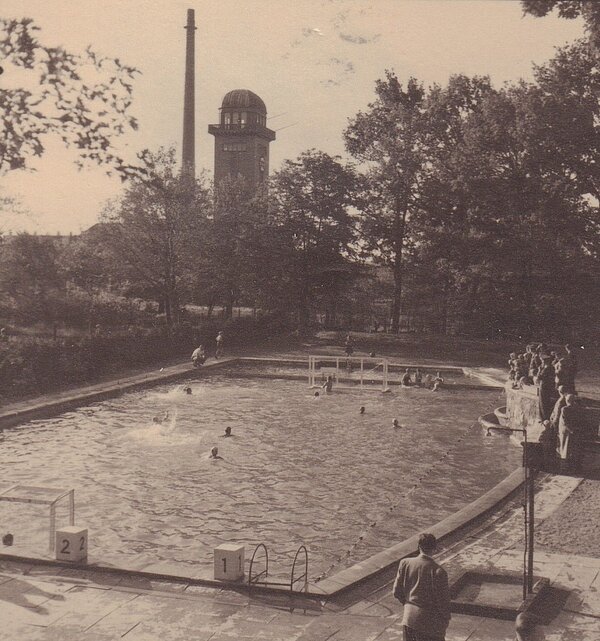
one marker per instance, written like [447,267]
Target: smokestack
[189,149]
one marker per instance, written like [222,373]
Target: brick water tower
[242,138]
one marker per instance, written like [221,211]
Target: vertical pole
[526,512]
[531,530]
[361,372]
[189,134]
[52,527]
[72,507]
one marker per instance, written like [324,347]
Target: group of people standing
[560,410]
[538,363]
[565,432]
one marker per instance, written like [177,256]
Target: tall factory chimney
[189,150]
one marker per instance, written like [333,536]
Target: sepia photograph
[300,320]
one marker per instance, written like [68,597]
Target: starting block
[71,544]
[229,562]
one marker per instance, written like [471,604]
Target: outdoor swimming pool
[298,470]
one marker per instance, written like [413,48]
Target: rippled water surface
[297,469]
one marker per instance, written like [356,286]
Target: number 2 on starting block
[71,543]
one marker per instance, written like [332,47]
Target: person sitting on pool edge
[406,379]
[214,454]
[328,384]
[198,356]
[418,377]
[438,381]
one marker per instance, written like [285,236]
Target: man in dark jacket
[422,587]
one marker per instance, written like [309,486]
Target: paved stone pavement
[44,603]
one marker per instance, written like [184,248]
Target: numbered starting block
[229,562]
[71,543]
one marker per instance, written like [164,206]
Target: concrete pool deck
[42,603]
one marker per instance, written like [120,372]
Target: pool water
[297,470]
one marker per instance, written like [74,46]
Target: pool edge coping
[335,585]
[64,401]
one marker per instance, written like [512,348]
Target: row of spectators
[540,366]
[566,426]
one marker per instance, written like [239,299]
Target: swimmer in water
[214,454]
[161,419]
[418,377]
[328,384]
[438,381]
[187,389]
[227,431]
[395,423]
[362,409]
[406,379]
[316,395]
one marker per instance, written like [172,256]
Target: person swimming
[328,384]
[395,423]
[187,389]
[161,419]
[438,381]
[214,454]
[406,379]
[227,432]
[362,409]
[316,395]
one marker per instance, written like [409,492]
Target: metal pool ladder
[256,579]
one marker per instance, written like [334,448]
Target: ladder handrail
[253,580]
[302,576]
[265,572]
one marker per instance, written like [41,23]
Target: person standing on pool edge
[219,348]
[422,587]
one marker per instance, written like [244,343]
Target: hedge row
[36,366]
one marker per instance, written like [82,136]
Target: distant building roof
[243,99]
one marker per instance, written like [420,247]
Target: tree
[243,246]
[522,236]
[155,231]
[570,86]
[312,197]
[589,10]
[406,137]
[391,138]
[30,278]
[83,99]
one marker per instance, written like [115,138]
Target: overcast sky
[313,62]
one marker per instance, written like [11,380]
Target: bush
[34,366]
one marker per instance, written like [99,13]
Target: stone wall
[522,406]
